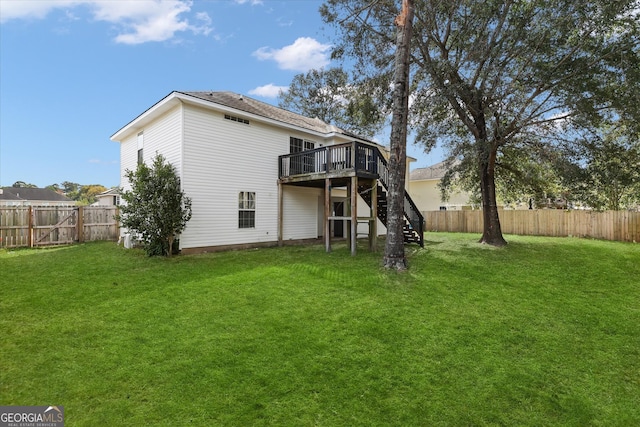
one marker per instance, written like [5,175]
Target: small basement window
[236,119]
[247,209]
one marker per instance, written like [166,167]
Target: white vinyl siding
[128,159]
[221,159]
[161,136]
[300,217]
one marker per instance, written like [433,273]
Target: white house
[261,175]
[426,193]
[110,197]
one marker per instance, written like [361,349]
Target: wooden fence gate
[34,226]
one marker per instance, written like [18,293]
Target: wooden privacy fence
[622,226]
[31,226]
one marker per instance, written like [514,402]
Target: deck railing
[351,157]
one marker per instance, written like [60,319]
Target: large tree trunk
[394,256]
[492,233]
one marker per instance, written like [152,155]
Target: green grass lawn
[542,332]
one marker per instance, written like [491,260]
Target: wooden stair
[410,234]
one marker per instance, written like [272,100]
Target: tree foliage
[331,97]
[603,169]
[490,76]
[82,194]
[22,184]
[88,193]
[155,207]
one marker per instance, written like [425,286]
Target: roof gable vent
[236,119]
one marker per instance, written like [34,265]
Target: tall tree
[87,193]
[71,189]
[22,184]
[156,207]
[603,170]
[329,95]
[394,256]
[54,187]
[489,75]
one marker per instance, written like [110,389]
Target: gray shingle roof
[22,193]
[252,106]
[436,171]
[4,195]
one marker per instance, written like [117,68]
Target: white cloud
[268,91]
[31,9]
[137,21]
[303,55]
[282,23]
[253,2]
[150,20]
[205,28]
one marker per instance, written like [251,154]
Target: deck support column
[327,214]
[347,214]
[280,214]
[373,222]
[354,214]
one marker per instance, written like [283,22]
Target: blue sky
[73,72]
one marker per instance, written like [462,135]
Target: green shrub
[155,207]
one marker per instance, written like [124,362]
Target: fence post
[80,224]
[30,228]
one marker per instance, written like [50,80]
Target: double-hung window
[247,209]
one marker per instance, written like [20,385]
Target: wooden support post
[280,214]
[373,223]
[354,214]
[30,229]
[327,214]
[347,213]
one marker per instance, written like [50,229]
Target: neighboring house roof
[39,194]
[229,101]
[436,171]
[109,192]
[7,196]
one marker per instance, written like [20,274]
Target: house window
[140,147]
[297,145]
[247,209]
[303,163]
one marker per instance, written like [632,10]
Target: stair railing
[411,211]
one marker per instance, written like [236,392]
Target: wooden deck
[336,162]
[358,167]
